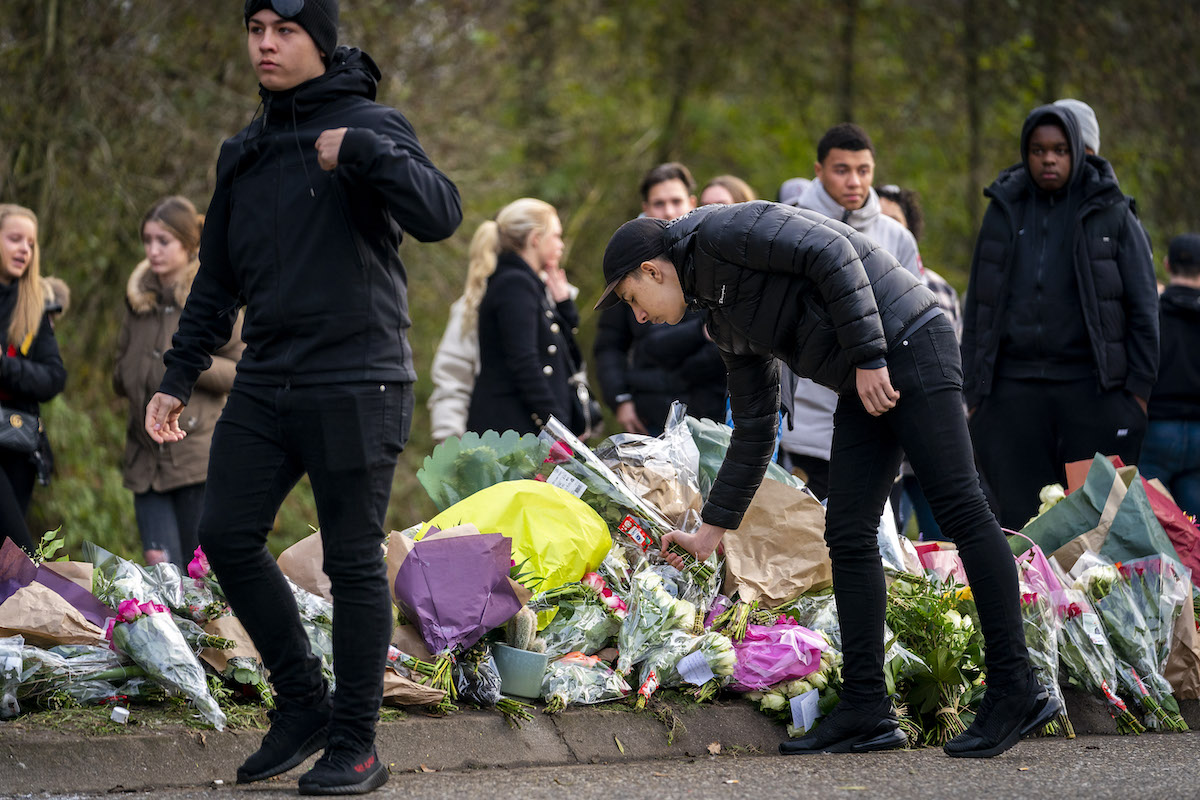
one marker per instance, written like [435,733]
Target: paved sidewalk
[35,760]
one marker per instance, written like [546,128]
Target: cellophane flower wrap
[83,674]
[816,611]
[1043,629]
[657,667]
[316,616]
[653,614]
[631,520]
[1086,656]
[1160,587]
[461,466]
[578,679]
[580,626]
[146,633]
[1133,647]
[776,654]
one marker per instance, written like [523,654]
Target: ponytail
[485,247]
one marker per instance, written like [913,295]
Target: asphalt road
[1093,767]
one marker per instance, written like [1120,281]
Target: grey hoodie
[811,432]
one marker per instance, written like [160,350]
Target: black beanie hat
[318,17]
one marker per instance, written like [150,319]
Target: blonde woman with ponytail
[517,304]
[167,480]
[31,369]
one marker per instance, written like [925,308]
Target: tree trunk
[971,91]
[846,82]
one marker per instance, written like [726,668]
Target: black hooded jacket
[313,254]
[1177,393]
[785,284]
[1062,286]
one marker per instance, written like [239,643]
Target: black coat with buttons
[527,353]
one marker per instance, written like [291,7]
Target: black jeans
[1026,430]
[17,474]
[347,438]
[168,521]
[927,424]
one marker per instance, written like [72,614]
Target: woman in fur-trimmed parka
[167,479]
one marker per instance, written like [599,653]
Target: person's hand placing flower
[700,543]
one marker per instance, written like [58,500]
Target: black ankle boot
[1005,715]
[850,729]
[341,770]
[296,733]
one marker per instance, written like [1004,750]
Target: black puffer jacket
[313,254]
[793,285]
[1113,275]
[30,373]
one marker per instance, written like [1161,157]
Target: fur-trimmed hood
[143,287]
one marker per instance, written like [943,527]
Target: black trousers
[17,474]
[347,438]
[929,425]
[1026,430]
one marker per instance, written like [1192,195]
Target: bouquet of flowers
[653,614]
[1041,640]
[780,653]
[316,615]
[776,700]
[1127,631]
[720,659]
[936,624]
[572,466]
[657,668]
[816,611]
[1159,588]
[580,625]
[579,679]
[454,589]
[1088,657]
[146,633]
[477,681]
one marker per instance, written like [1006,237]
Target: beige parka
[150,321]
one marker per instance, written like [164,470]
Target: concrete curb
[38,760]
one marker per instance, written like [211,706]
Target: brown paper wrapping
[779,551]
[303,562]
[228,627]
[1183,664]
[658,483]
[400,691]
[44,619]
[77,572]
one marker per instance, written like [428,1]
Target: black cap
[1184,251]
[319,18]
[636,241]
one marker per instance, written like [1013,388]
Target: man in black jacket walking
[786,284]
[311,202]
[1060,322]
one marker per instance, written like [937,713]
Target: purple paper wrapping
[782,652]
[18,571]
[457,589]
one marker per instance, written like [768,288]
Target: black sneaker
[343,771]
[851,730]
[1004,717]
[296,733]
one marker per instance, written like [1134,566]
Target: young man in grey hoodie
[845,170]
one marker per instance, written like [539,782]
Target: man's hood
[1051,114]
[351,71]
[1183,300]
[817,198]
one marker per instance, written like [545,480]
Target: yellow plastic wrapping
[557,538]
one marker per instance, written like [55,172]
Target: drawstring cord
[303,161]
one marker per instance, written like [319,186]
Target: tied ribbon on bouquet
[454,586]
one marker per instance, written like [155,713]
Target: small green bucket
[521,671]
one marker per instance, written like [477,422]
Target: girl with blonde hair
[167,480]
[31,369]
[517,303]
